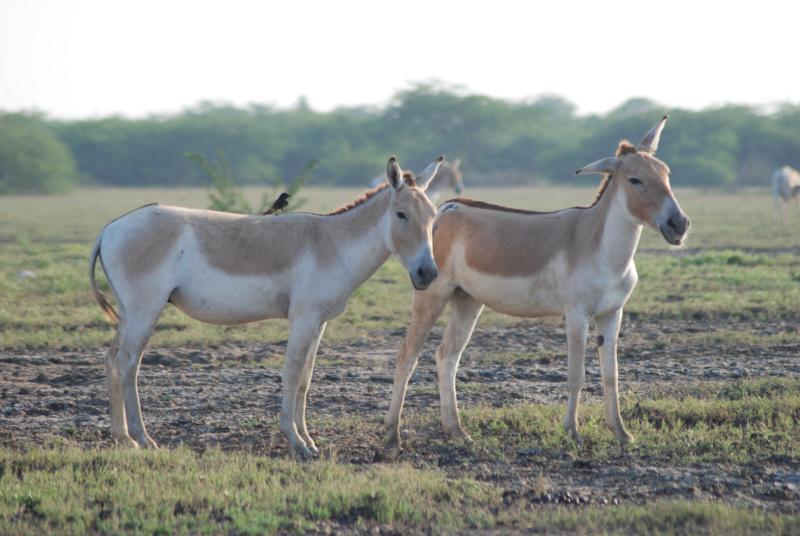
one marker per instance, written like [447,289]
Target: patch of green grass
[743,422]
[725,284]
[70,491]
[58,488]
[722,339]
[664,517]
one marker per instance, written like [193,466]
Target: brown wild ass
[576,262]
[231,268]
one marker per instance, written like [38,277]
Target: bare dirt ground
[229,397]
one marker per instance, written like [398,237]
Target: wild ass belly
[220,298]
[529,296]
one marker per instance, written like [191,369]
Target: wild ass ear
[424,178]
[394,174]
[605,165]
[649,143]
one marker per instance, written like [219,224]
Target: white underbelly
[519,296]
[213,296]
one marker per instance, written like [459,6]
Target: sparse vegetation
[226,196]
[72,491]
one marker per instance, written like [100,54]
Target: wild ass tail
[109,311]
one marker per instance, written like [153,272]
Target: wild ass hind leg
[134,334]
[607,337]
[426,307]
[302,391]
[464,313]
[577,330]
[119,426]
[301,334]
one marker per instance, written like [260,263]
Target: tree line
[500,142]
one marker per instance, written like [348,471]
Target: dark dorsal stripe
[500,208]
[488,206]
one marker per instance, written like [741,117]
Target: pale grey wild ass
[785,191]
[576,262]
[230,269]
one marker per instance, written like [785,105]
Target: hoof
[304,452]
[393,443]
[147,442]
[311,446]
[575,436]
[126,442]
[625,439]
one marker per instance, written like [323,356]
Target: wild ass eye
[634,180]
[402,216]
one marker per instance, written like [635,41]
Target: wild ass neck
[621,232]
[360,237]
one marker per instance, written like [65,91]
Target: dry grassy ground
[708,362]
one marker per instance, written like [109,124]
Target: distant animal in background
[448,176]
[281,203]
[785,191]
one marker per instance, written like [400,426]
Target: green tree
[32,158]
[500,142]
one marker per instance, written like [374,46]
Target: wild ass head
[449,174]
[408,224]
[644,180]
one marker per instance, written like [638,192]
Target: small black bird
[281,203]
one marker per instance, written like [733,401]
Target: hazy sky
[75,58]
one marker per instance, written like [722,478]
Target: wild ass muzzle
[227,268]
[576,262]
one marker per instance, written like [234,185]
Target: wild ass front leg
[607,336]
[577,331]
[302,332]
[425,309]
[302,391]
[464,313]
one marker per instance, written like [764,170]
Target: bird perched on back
[281,203]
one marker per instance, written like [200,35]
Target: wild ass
[785,190]
[576,262]
[448,176]
[230,269]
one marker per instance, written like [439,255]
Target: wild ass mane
[408,178]
[366,196]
